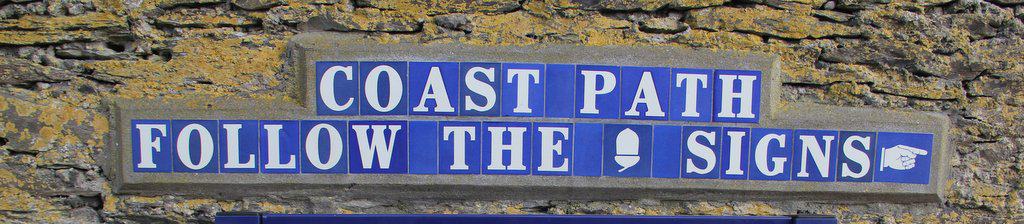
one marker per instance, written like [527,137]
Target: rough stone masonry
[60,59]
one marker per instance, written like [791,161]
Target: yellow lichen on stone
[100,129]
[53,116]
[21,37]
[514,209]
[434,7]
[913,86]
[89,21]
[192,204]
[110,203]
[652,5]
[272,208]
[344,211]
[143,199]
[767,21]
[795,64]
[522,28]
[17,200]
[209,19]
[228,66]
[758,208]
[706,208]
[9,180]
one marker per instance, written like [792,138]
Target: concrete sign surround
[455,121]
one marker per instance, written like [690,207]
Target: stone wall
[60,58]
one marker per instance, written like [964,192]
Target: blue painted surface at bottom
[509,219]
[238,218]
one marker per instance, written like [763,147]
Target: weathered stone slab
[306,49]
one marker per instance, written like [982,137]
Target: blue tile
[155,154]
[559,87]
[552,149]
[522,88]
[587,149]
[735,152]
[856,153]
[378,147]
[701,152]
[737,96]
[506,148]
[627,150]
[384,88]
[239,146]
[434,88]
[814,155]
[597,91]
[283,156]
[459,147]
[480,89]
[645,92]
[199,154]
[666,153]
[337,91]
[323,147]
[423,147]
[903,157]
[692,94]
[770,154]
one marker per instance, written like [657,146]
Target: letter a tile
[645,93]
[434,88]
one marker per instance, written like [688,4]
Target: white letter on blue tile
[231,137]
[821,156]
[377,145]
[549,146]
[313,146]
[148,144]
[761,155]
[394,88]
[327,88]
[647,94]
[480,87]
[702,151]
[590,90]
[735,152]
[522,78]
[745,95]
[691,80]
[274,149]
[515,148]
[857,156]
[205,146]
[435,90]
[458,135]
